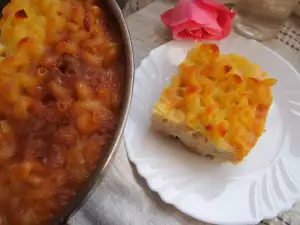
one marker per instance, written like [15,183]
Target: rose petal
[193,31]
[186,30]
[225,22]
[225,16]
[189,10]
[198,20]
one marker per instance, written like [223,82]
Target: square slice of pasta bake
[216,105]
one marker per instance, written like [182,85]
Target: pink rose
[198,20]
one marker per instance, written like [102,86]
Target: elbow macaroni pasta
[60,94]
[225,97]
[20,46]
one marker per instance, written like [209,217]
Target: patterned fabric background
[131,6]
[289,33]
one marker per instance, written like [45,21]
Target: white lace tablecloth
[123,198]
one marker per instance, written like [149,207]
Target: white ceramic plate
[265,183]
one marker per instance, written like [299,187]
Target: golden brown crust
[60,98]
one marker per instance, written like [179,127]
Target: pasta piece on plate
[217,105]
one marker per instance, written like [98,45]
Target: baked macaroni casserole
[60,98]
[217,105]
